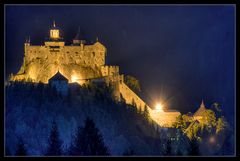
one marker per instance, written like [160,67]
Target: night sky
[180,54]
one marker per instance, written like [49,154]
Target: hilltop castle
[80,63]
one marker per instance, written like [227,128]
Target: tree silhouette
[133,83]
[88,141]
[75,147]
[168,150]
[146,113]
[21,149]
[179,153]
[128,152]
[194,146]
[54,142]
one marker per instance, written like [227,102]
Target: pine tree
[179,153]
[128,152]
[54,142]
[168,150]
[88,141]
[76,144]
[146,112]
[194,146]
[21,149]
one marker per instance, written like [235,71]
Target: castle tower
[199,113]
[54,32]
[27,42]
[54,37]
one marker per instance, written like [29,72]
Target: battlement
[54,43]
[109,70]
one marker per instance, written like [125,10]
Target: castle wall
[42,62]
[164,119]
[34,52]
[88,56]
[131,97]
[109,70]
[54,43]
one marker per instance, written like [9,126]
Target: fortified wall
[131,97]
[162,118]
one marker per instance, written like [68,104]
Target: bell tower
[54,37]
[54,32]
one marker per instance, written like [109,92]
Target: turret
[79,38]
[54,32]
[27,42]
[54,37]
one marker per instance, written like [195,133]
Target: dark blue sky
[181,54]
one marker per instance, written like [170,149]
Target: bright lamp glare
[212,140]
[159,107]
[74,78]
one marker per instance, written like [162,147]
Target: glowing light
[159,107]
[77,79]
[74,78]
[54,34]
[212,139]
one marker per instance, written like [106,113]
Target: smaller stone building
[199,113]
[60,83]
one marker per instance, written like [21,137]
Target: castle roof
[54,26]
[201,110]
[58,76]
[99,45]
[79,35]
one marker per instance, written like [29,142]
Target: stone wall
[109,70]
[131,96]
[42,62]
[164,119]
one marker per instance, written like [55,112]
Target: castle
[80,62]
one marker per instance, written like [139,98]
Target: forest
[41,122]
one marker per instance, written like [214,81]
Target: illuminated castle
[79,63]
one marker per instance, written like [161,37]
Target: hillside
[31,108]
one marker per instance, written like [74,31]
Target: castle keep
[80,63]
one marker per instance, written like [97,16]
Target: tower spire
[54,25]
[202,104]
[79,38]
